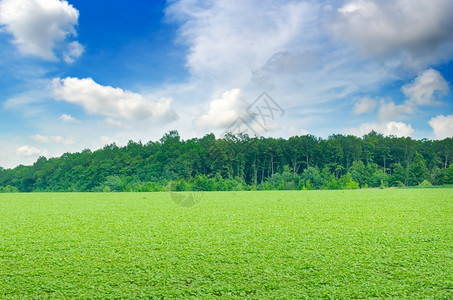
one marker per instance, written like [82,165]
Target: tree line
[240,162]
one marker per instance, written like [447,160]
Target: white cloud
[227,37]
[398,129]
[442,126]
[52,139]
[364,105]
[423,91]
[26,151]
[388,110]
[419,29]
[224,111]
[111,102]
[68,118]
[284,49]
[40,27]
[425,87]
[73,51]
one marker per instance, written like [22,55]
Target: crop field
[390,243]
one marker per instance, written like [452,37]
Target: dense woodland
[241,163]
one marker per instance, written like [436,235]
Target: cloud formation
[42,27]
[442,126]
[425,88]
[419,30]
[227,37]
[26,151]
[398,129]
[364,105]
[68,118]
[388,110]
[44,139]
[73,51]
[223,111]
[111,102]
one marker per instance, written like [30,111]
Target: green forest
[234,163]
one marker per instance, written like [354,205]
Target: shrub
[425,183]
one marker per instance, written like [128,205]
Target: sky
[81,74]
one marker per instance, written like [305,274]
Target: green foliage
[417,170]
[203,183]
[238,163]
[437,175]
[312,178]
[331,184]
[9,189]
[362,244]
[358,173]
[346,182]
[378,179]
[448,177]
[115,183]
[179,186]
[399,176]
[425,183]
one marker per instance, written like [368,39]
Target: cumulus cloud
[52,139]
[398,129]
[426,86]
[364,105]
[40,27]
[111,102]
[68,118]
[224,111]
[422,30]
[424,90]
[442,126]
[26,151]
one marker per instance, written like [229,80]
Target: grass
[392,243]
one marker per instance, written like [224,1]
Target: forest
[241,162]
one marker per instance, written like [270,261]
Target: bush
[203,183]
[332,184]
[346,182]
[9,189]
[425,183]
[378,179]
[312,178]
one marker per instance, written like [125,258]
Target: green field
[389,243]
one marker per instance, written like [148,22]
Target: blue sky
[81,74]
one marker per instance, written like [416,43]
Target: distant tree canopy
[241,163]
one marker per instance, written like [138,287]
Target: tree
[417,170]
[448,177]
[313,176]
[399,175]
[358,172]
[378,179]
[240,162]
[346,182]
[437,175]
